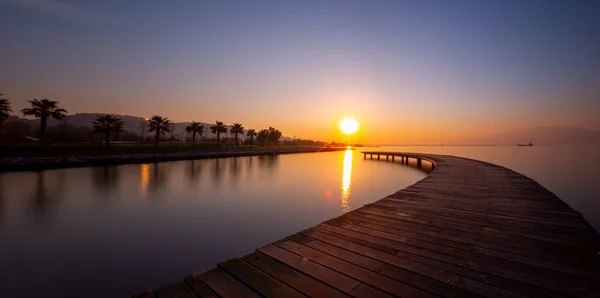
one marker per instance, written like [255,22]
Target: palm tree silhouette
[263,136]
[160,125]
[274,136]
[107,124]
[119,127]
[251,133]
[218,129]
[195,128]
[44,109]
[237,129]
[4,109]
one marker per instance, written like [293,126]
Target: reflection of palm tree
[250,164]
[194,170]
[158,176]
[269,162]
[235,171]
[237,129]
[40,197]
[105,178]
[217,174]
[44,109]
[159,125]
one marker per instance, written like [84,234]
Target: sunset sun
[349,125]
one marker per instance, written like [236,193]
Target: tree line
[109,125]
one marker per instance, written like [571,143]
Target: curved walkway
[470,228]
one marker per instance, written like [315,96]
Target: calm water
[114,231]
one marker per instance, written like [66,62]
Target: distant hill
[560,135]
[132,123]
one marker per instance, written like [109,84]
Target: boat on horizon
[525,145]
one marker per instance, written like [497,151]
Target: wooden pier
[470,228]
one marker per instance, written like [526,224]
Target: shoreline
[19,164]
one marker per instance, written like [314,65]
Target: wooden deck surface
[468,229]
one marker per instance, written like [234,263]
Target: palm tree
[251,133]
[262,136]
[4,109]
[160,125]
[237,129]
[274,136]
[118,127]
[195,128]
[218,129]
[107,124]
[44,109]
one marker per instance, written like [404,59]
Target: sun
[348,125]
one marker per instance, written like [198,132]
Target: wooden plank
[295,279]
[486,229]
[393,259]
[490,207]
[446,287]
[310,268]
[513,265]
[488,274]
[198,287]
[564,236]
[366,276]
[485,290]
[225,285]
[257,280]
[514,222]
[541,253]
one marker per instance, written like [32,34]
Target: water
[114,231]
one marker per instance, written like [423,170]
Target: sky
[408,71]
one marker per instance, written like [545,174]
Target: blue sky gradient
[471,67]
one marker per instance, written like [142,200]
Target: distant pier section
[469,229]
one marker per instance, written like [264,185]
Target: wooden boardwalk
[468,229]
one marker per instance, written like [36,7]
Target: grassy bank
[28,157]
[71,149]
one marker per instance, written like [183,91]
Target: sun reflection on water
[346,179]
